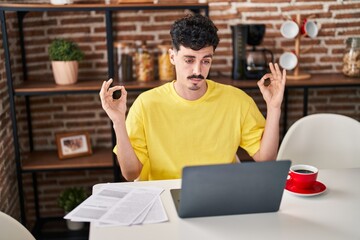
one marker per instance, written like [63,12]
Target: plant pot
[65,72]
[74,226]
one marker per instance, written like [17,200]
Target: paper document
[121,205]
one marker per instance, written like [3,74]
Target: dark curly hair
[195,32]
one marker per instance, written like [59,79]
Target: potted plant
[69,199]
[65,56]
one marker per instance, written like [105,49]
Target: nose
[197,68]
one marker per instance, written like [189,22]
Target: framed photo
[73,144]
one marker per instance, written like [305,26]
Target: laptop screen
[225,189]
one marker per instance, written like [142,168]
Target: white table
[334,214]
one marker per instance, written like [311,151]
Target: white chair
[324,140]
[12,229]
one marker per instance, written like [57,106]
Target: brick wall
[9,202]
[338,20]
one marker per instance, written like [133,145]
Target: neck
[189,94]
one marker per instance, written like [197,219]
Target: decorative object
[74,144]
[64,56]
[61,2]
[69,199]
[297,29]
[351,59]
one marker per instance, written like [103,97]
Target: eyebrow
[206,56]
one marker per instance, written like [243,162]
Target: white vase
[74,226]
[65,72]
[61,2]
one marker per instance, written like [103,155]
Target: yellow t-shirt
[168,132]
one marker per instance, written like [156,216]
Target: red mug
[303,176]
[309,28]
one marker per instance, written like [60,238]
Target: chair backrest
[324,140]
[12,229]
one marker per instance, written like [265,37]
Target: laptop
[226,189]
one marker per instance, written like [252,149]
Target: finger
[114,92]
[267,75]
[272,69]
[283,80]
[108,83]
[278,71]
[123,90]
[119,93]
[123,94]
[103,90]
[264,80]
[113,89]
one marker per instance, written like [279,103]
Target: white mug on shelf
[288,60]
[289,29]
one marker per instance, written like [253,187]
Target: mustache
[196,76]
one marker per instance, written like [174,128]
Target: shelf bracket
[109,43]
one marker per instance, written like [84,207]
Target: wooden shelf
[41,88]
[36,87]
[49,160]
[324,80]
[316,80]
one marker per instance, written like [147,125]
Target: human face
[192,68]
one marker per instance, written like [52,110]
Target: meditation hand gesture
[274,92]
[114,108]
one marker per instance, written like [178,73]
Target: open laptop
[225,189]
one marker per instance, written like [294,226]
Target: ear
[172,56]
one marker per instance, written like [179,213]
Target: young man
[192,120]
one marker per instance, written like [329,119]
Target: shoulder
[154,94]
[157,92]
[228,91]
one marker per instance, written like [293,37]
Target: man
[192,120]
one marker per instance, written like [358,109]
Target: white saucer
[316,189]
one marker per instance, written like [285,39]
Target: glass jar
[144,64]
[165,68]
[124,62]
[351,60]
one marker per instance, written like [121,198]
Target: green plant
[70,198]
[65,50]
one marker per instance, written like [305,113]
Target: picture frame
[73,144]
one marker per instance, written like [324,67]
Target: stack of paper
[121,205]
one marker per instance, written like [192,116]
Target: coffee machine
[248,61]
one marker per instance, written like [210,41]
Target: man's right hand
[114,108]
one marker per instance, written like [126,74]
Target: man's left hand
[273,93]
